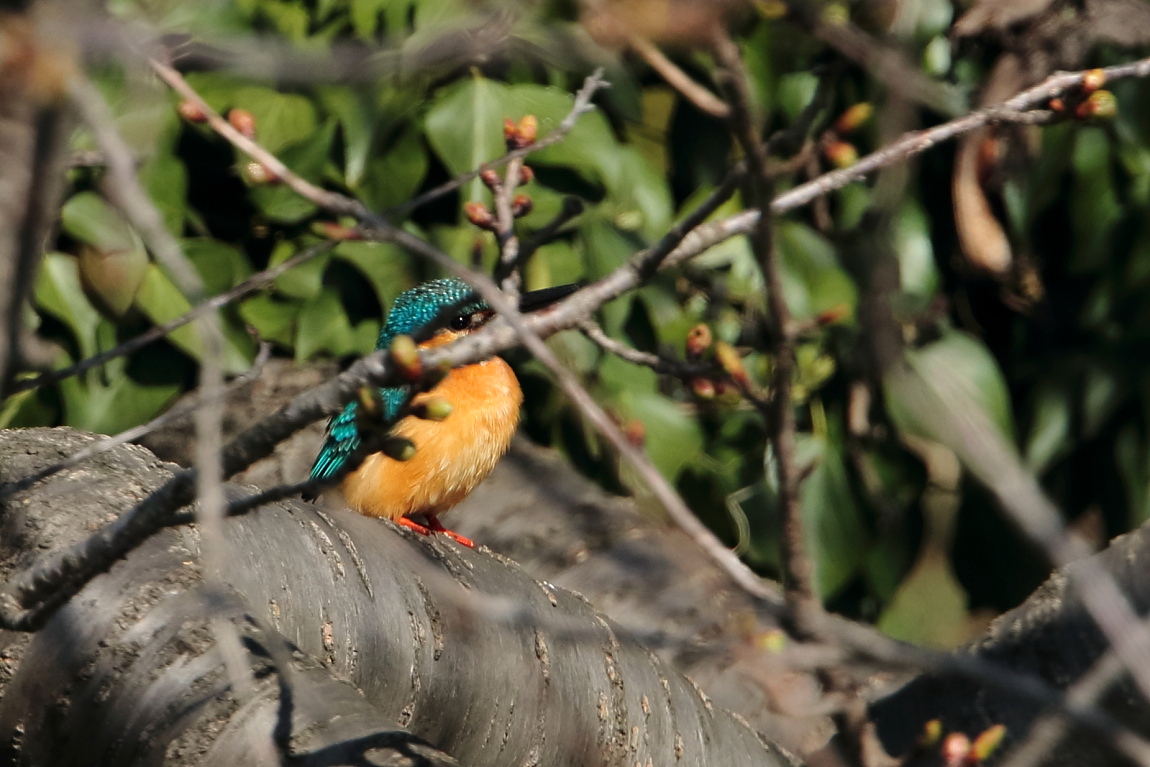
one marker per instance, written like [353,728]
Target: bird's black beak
[537,299]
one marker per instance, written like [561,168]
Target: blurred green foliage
[1062,376]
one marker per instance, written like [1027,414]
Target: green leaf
[555,263]
[395,175]
[25,409]
[58,292]
[308,159]
[918,274]
[166,180]
[353,110]
[1102,392]
[465,126]
[161,301]
[323,327]
[1051,418]
[88,218]
[929,607]
[1094,206]
[91,405]
[281,118]
[672,438]
[273,320]
[605,248]
[384,265]
[813,281]
[221,266]
[834,535]
[638,197]
[364,15]
[302,281]
[794,92]
[954,395]
[964,362]
[617,376]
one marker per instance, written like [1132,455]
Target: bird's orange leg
[435,526]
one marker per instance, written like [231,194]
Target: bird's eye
[462,322]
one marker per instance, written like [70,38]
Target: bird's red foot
[411,524]
[434,526]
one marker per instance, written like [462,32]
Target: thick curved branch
[462,649]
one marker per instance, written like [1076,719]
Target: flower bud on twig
[398,448]
[431,409]
[191,112]
[405,354]
[521,205]
[243,121]
[698,341]
[853,118]
[478,214]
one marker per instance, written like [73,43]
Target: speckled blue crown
[434,302]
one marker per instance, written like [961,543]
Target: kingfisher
[451,456]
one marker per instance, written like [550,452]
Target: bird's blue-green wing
[343,436]
[342,439]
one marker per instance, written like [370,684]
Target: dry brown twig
[702,98]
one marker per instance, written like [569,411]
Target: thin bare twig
[124,189]
[506,271]
[796,565]
[571,208]
[677,368]
[341,205]
[703,99]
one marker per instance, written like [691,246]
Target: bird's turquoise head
[432,307]
[452,307]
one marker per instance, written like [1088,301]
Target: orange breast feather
[451,456]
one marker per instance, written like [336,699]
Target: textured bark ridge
[366,644]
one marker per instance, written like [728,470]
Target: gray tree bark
[365,644]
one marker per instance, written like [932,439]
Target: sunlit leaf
[59,293]
[323,327]
[465,126]
[835,535]
[281,118]
[112,406]
[961,363]
[161,301]
[308,159]
[273,320]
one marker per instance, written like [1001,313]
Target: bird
[451,456]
